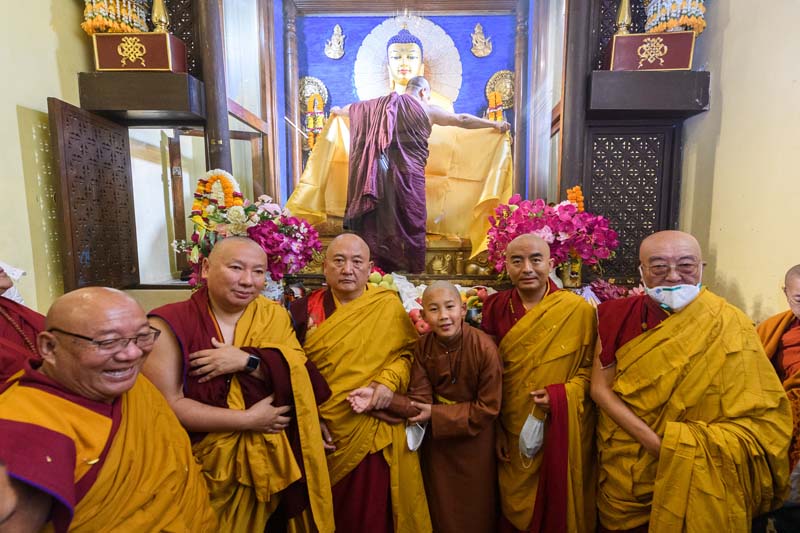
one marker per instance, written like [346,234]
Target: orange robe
[125,466]
[780,335]
[550,347]
[700,380]
[370,339]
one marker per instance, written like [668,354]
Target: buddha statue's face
[405,62]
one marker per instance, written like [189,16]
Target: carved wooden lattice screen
[629,184]
[95,199]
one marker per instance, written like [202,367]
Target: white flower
[236,215]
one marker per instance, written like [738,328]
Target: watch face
[252,362]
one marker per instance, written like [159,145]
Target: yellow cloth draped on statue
[370,339]
[701,381]
[553,343]
[246,467]
[469,172]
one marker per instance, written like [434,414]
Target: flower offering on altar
[219,210]
[571,232]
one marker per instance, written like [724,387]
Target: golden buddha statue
[468,171]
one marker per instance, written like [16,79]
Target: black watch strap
[252,362]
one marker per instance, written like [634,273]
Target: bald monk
[89,444]
[359,338]
[231,368]
[693,427]
[19,326]
[386,185]
[780,335]
[546,339]
[455,391]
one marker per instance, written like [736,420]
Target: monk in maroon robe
[386,181]
[18,329]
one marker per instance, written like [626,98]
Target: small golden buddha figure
[334,47]
[481,45]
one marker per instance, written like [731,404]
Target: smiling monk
[89,444]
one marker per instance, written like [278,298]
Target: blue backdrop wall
[337,74]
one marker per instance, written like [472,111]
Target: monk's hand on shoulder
[217,361]
[382,396]
[360,399]
[424,413]
[542,399]
[267,418]
[503,127]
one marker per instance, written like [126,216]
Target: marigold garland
[575,195]
[205,194]
[114,16]
[675,15]
[495,109]
[315,118]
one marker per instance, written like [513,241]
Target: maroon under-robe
[194,327]
[620,321]
[386,180]
[503,309]
[19,326]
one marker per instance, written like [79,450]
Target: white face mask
[673,298]
[531,437]
[414,435]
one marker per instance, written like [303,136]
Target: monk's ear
[46,343]
[204,266]
[552,264]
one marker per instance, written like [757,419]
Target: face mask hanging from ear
[672,298]
[531,437]
[415,433]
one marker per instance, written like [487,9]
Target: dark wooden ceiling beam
[392,7]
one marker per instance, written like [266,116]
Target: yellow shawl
[553,343]
[701,381]
[370,339]
[246,469]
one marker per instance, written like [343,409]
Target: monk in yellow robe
[358,338]
[88,443]
[468,171]
[546,339]
[230,366]
[780,335]
[693,425]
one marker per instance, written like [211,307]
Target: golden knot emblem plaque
[131,49]
[651,50]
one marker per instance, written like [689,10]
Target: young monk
[455,390]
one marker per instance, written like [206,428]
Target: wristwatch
[252,362]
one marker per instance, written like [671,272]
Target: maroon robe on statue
[386,180]
[18,329]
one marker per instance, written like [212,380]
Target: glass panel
[242,155]
[556,49]
[242,53]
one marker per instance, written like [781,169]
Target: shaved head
[233,244]
[669,240]
[347,266]
[84,343]
[792,274]
[81,306]
[528,240]
[440,285]
[348,240]
[670,258]
[416,83]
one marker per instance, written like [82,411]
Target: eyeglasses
[145,340]
[686,268]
